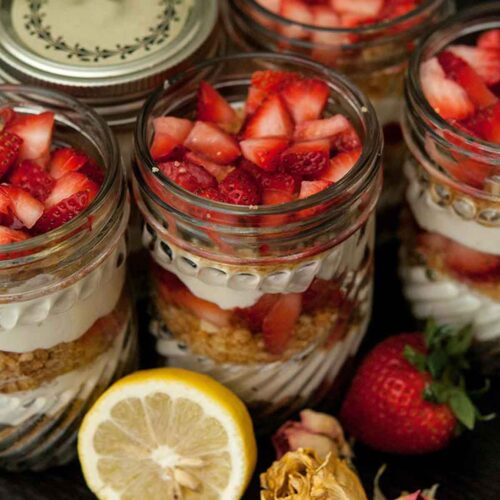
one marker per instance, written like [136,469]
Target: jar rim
[112,172]
[443,34]
[371,149]
[427,6]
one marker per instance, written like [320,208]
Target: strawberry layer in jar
[258,187]
[369,40]
[450,261]
[66,321]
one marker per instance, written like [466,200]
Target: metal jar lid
[110,53]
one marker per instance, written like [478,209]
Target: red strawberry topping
[340,165]
[170,134]
[307,159]
[7,115]
[485,61]
[212,107]
[66,160]
[68,185]
[25,207]
[306,99]
[471,263]
[264,152]
[10,145]
[281,181]
[255,314]
[240,188]
[485,124]
[213,194]
[93,172]
[8,235]
[366,8]
[489,39]
[33,179]
[271,119]
[188,175]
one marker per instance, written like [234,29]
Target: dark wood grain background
[468,470]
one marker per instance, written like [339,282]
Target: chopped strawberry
[254,315]
[489,39]
[309,188]
[322,293]
[271,119]
[32,178]
[340,165]
[64,160]
[93,171]
[213,194]
[212,107]
[306,99]
[10,145]
[281,181]
[272,5]
[63,211]
[8,235]
[432,242]
[276,197]
[469,262]
[486,62]
[308,158]
[280,321]
[218,171]
[25,207]
[6,213]
[240,188]
[327,43]
[209,140]
[459,71]
[188,175]
[36,133]
[295,10]
[256,172]
[68,185]
[366,8]
[265,151]
[7,115]
[264,84]
[334,128]
[485,124]
[169,134]
[447,97]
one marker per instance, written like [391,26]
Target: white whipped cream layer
[50,398]
[230,288]
[450,302]
[445,221]
[64,315]
[388,109]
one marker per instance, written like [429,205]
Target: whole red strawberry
[408,395]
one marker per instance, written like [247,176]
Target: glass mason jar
[450,258]
[67,326]
[374,57]
[317,251]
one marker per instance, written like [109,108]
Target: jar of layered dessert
[370,41]
[450,259]
[66,322]
[257,177]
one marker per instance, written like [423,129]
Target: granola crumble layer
[27,371]
[236,343]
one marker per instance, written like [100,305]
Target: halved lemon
[167,434]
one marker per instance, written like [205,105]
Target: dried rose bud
[318,431]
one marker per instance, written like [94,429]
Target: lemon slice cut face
[167,434]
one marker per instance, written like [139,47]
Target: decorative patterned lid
[101,48]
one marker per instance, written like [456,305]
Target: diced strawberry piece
[254,315]
[459,71]
[32,178]
[469,262]
[358,7]
[209,140]
[10,145]
[447,97]
[265,151]
[256,172]
[489,39]
[396,8]
[8,235]
[68,185]
[308,158]
[485,124]
[7,115]
[187,175]
[432,242]
[281,181]
[309,188]
[64,160]
[36,133]
[486,62]
[272,5]
[218,171]
[306,99]
[264,84]
[63,211]
[271,119]
[6,212]
[295,10]
[212,107]
[240,188]
[327,43]
[340,165]
[276,197]
[93,171]
[213,194]
[280,321]
[25,207]
[169,134]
